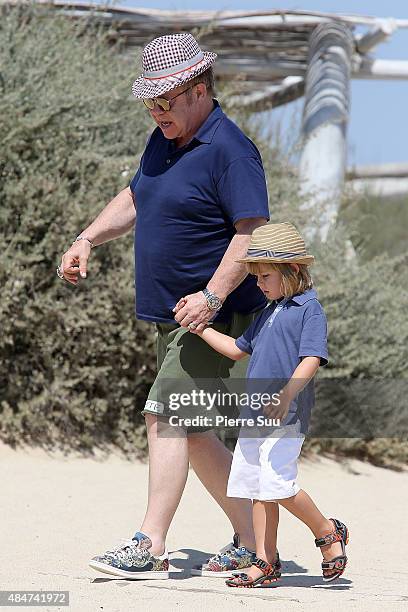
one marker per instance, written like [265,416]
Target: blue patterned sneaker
[131,559]
[230,558]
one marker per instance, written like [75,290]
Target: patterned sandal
[339,534]
[271,573]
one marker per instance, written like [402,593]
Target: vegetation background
[75,365]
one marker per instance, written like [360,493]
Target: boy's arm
[305,371]
[221,343]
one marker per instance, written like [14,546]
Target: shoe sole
[113,571]
[210,574]
[259,585]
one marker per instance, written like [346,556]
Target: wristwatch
[213,301]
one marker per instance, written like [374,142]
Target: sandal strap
[329,538]
[337,535]
[241,576]
[336,563]
[266,568]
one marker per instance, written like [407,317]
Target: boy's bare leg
[168,469]
[303,507]
[211,461]
[265,516]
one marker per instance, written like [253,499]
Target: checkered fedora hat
[170,61]
[277,243]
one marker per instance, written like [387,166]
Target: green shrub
[74,364]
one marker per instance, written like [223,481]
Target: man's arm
[225,279]
[116,219]
[229,274]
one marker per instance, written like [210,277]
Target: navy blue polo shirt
[187,202]
[299,330]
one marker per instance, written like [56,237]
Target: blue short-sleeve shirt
[187,202]
[299,330]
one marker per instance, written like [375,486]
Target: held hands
[74,262]
[193,309]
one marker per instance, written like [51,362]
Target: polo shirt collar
[302,298]
[205,133]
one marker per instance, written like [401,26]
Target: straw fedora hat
[168,62]
[278,243]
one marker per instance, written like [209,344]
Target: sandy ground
[57,512]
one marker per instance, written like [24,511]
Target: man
[198,194]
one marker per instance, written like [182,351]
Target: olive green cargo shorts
[183,358]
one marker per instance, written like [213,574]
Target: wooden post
[325,116]
[377,35]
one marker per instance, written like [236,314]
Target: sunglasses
[163,103]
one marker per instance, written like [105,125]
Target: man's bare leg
[168,469]
[211,461]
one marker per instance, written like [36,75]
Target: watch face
[214,303]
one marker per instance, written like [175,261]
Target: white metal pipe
[382,69]
[389,170]
[381,186]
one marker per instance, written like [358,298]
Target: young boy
[287,342]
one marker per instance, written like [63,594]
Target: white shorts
[266,468]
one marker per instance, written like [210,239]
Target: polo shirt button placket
[168,161]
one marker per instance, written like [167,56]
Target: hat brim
[149,88]
[308,260]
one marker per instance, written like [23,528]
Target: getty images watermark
[329,408]
[210,401]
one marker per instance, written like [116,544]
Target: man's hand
[179,305]
[75,261]
[193,309]
[278,411]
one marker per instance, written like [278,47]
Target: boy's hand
[278,411]
[199,330]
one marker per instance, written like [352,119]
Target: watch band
[213,301]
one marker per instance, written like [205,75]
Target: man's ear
[295,267]
[201,90]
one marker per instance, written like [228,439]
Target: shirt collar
[204,134]
[206,131]
[302,298]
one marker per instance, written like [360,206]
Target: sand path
[57,512]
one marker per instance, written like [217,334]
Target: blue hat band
[274,254]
